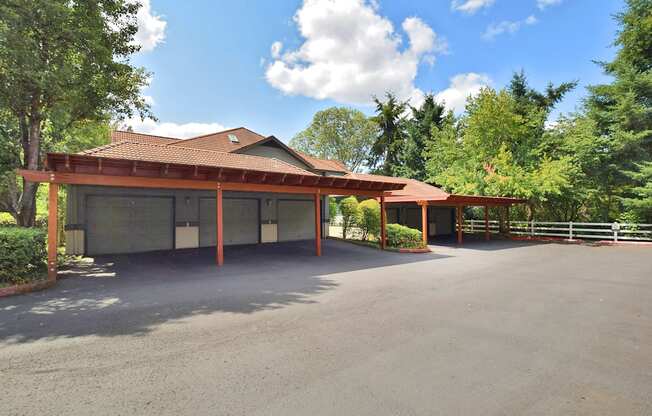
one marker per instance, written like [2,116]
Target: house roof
[220,141]
[325,164]
[120,135]
[161,153]
[417,191]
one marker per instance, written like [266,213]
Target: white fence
[570,230]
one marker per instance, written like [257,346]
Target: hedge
[23,255]
[401,236]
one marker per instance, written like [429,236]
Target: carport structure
[417,197]
[150,166]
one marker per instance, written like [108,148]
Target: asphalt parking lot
[498,328]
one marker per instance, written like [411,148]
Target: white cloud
[151,28]
[351,53]
[471,6]
[460,88]
[542,4]
[507,26]
[169,129]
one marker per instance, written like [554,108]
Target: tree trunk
[31,140]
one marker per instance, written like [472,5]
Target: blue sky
[214,64]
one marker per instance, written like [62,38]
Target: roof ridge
[194,149]
[221,131]
[147,134]
[102,147]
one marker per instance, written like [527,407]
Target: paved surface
[493,329]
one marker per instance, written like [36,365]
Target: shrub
[23,255]
[349,211]
[332,207]
[369,218]
[401,236]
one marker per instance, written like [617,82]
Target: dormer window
[233,138]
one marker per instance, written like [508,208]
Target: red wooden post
[220,229]
[460,223]
[53,216]
[424,223]
[317,225]
[383,223]
[486,223]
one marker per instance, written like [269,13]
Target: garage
[296,220]
[241,219]
[128,224]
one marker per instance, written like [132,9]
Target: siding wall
[440,218]
[186,210]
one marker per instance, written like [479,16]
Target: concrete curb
[26,288]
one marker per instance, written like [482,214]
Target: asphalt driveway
[499,328]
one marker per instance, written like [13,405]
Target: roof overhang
[454,200]
[93,170]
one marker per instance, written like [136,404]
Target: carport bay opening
[113,220]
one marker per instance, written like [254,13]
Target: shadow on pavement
[131,294]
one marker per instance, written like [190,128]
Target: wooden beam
[317,225]
[383,223]
[53,217]
[424,223]
[220,229]
[174,183]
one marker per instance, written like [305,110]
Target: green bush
[23,255]
[349,211]
[400,236]
[369,218]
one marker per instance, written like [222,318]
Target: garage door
[240,218]
[296,220]
[116,224]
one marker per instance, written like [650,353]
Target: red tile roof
[415,191]
[148,152]
[220,141]
[120,135]
[324,164]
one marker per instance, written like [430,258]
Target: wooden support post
[460,223]
[424,223]
[317,225]
[383,224]
[509,226]
[219,225]
[53,216]
[487,235]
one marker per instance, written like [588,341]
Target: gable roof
[220,141]
[160,153]
[121,135]
[330,165]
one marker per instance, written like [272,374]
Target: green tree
[493,150]
[639,202]
[338,133]
[418,128]
[369,218]
[349,211]
[61,63]
[622,109]
[388,147]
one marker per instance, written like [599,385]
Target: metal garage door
[296,220]
[240,217]
[117,224]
